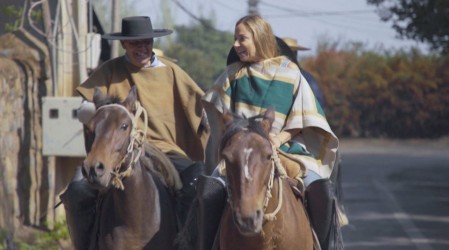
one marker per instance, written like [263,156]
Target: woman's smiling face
[244,44]
[139,52]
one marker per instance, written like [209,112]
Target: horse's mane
[240,123]
[113,99]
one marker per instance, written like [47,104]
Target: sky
[308,21]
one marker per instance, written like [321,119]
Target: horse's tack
[276,165]
[137,139]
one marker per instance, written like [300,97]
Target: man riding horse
[176,121]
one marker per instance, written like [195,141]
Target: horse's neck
[139,197]
[134,212]
[139,186]
[281,195]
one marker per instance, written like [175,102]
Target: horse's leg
[79,201]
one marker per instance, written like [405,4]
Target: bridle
[275,166]
[134,150]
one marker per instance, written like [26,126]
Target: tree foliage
[401,94]
[15,13]
[201,51]
[423,20]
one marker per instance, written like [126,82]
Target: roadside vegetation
[29,238]
[370,92]
[383,93]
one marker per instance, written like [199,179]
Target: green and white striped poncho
[248,90]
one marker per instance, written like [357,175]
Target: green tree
[425,21]
[15,13]
[12,12]
[201,51]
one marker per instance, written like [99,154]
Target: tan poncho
[170,97]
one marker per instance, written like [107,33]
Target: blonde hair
[264,39]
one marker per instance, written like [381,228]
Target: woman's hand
[283,137]
[275,140]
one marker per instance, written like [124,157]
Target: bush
[57,238]
[401,94]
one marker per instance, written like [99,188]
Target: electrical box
[62,132]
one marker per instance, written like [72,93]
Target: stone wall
[26,176]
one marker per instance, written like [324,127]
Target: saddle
[156,162]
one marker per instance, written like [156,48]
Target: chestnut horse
[134,209]
[262,211]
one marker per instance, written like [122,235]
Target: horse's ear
[130,101]
[267,120]
[98,96]
[228,118]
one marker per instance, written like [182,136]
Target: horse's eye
[124,126]
[268,157]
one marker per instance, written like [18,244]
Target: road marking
[404,219]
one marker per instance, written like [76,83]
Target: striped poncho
[249,90]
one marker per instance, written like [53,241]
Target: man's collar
[154,61]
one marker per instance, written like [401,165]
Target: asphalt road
[396,195]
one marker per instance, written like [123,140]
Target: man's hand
[85,111]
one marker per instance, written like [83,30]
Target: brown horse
[134,208]
[262,211]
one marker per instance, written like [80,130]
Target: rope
[272,216]
[276,164]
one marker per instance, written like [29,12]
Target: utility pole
[252,7]
[115,27]
[167,18]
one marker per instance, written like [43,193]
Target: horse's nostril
[92,172]
[258,214]
[83,171]
[100,166]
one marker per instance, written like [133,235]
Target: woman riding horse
[264,78]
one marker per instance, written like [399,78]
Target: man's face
[138,51]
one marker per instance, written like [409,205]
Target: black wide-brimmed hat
[137,27]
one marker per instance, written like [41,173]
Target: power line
[312,13]
[188,12]
[227,6]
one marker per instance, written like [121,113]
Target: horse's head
[111,132]
[247,153]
